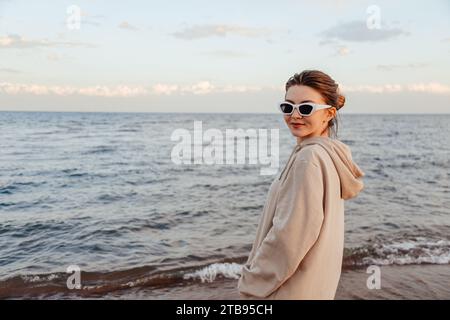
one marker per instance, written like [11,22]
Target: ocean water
[100,191]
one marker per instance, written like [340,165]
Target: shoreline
[398,282]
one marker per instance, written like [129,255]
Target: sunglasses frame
[316,106]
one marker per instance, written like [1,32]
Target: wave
[15,186]
[413,250]
[416,250]
[101,283]
[100,150]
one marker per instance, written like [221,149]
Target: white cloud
[200,88]
[230,88]
[432,87]
[226,54]
[127,26]
[372,88]
[164,89]
[203,87]
[391,67]
[100,91]
[220,30]
[18,42]
[343,50]
[117,91]
[9,70]
[357,31]
[53,57]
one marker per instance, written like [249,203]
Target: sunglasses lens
[286,108]
[306,109]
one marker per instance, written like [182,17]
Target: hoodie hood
[348,171]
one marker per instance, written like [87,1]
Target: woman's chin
[299,133]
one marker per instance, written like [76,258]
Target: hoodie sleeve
[296,226]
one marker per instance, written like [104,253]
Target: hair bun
[340,101]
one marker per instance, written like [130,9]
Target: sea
[93,205]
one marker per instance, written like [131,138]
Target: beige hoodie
[298,250]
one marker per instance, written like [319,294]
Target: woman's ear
[333,113]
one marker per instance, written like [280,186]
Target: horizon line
[201,112]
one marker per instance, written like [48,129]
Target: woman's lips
[297,125]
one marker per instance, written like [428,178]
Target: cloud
[391,67]
[9,70]
[202,87]
[220,30]
[244,88]
[357,31]
[90,22]
[90,19]
[53,57]
[165,89]
[127,26]
[431,87]
[386,88]
[226,54]
[14,41]
[117,91]
[336,4]
[342,50]
[199,88]
[100,91]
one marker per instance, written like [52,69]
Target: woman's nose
[296,114]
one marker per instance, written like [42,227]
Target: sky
[221,56]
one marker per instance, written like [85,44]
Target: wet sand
[397,282]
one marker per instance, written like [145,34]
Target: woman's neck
[300,139]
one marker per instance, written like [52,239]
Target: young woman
[298,250]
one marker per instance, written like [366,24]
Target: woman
[298,250]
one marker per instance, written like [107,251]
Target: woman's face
[309,126]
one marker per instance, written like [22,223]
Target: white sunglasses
[305,109]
